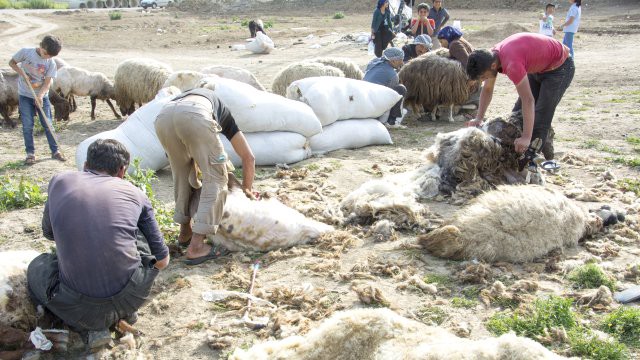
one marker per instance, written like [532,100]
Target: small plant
[40,4]
[631,162]
[633,140]
[628,184]
[586,344]
[624,323]
[339,15]
[19,194]
[268,24]
[12,165]
[459,302]
[313,167]
[438,279]
[432,315]
[244,23]
[5,4]
[591,276]
[115,15]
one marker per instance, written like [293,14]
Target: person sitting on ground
[109,248]
[440,15]
[188,128]
[255,26]
[422,24]
[382,71]
[459,48]
[38,66]
[381,27]
[421,45]
[541,69]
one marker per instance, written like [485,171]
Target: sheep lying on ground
[512,223]
[431,81]
[80,82]
[184,80]
[301,70]
[234,73]
[383,334]
[138,81]
[348,67]
[15,308]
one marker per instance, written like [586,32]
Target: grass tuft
[624,324]
[591,276]
[19,194]
[339,15]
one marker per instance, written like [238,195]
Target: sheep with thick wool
[184,79]
[73,81]
[433,80]
[350,69]
[15,308]
[137,81]
[384,335]
[301,70]
[512,223]
[234,73]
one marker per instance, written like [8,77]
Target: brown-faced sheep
[511,223]
[184,79]
[348,67]
[383,334]
[234,73]
[301,70]
[137,81]
[80,82]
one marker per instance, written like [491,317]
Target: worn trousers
[396,110]
[190,136]
[547,89]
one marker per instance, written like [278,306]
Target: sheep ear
[444,242]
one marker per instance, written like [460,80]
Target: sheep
[15,308]
[301,70]
[512,223]
[138,81]
[348,67]
[255,26]
[382,334]
[431,81]
[80,82]
[60,63]
[184,80]
[234,73]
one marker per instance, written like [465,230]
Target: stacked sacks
[276,128]
[333,99]
[235,73]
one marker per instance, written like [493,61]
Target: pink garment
[529,53]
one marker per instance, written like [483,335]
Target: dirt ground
[600,109]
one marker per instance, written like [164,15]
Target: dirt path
[25,28]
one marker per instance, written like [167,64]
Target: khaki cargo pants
[190,136]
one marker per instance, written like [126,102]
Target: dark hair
[578,3]
[51,44]
[423,6]
[107,155]
[479,61]
[549,5]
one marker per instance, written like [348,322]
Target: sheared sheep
[383,334]
[234,73]
[512,223]
[348,67]
[60,63]
[15,308]
[431,81]
[263,225]
[138,81]
[184,79]
[80,82]
[301,70]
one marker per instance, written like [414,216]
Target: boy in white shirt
[546,21]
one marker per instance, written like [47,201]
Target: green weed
[19,194]
[115,15]
[339,15]
[586,344]
[631,162]
[5,4]
[244,23]
[628,184]
[624,323]
[313,167]
[438,279]
[591,276]
[268,24]
[12,165]
[459,302]
[633,140]
[432,315]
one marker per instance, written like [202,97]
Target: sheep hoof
[451,119]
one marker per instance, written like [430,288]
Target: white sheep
[60,63]
[512,223]
[349,68]
[184,79]
[382,334]
[72,81]
[301,70]
[137,81]
[234,73]
[15,308]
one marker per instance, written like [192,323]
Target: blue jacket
[380,18]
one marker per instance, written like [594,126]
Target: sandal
[30,160]
[214,253]
[58,156]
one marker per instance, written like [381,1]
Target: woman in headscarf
[421,45]
[383,71]
[381,26]
[459,48]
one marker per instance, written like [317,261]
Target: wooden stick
[35,99]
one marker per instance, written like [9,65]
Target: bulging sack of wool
[270,148]
[138,134]
[262,44]
[340,135]
[257,111]
[14,300]
[263,225]
[333,98]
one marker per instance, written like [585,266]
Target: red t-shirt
[529,53]
[413,22]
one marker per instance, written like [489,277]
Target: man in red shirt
[541,69]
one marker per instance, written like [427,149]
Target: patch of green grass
[459,302]
[633,140]
[628,184]
[268,24]
[631,162]
[610,150]
[624,323]
[339,15]
[591,276]
[582,108]
[554,312]
[438,279]
[218,307]
[12,165]
[432,315]
[586,344]
[471,292]
[5,4]
[617,101]
[115,15]
[19,194]
[595,144]
[591,144]
[313,167]
[335,164]
[244,23]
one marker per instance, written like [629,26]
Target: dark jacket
[379,18]
[460,49]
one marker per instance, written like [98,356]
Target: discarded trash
[630,295]
[315,46]
[39,340]
[217,295]
[457,24]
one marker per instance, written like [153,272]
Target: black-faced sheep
[137,81]
[255,26]
[301,70]
[512,223]
[234,73]
[80,82]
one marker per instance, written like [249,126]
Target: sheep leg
[93,108]
[113,109]
[7,118]
[450,115]
[433,113]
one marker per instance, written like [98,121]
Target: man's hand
[521,144]
[474,123]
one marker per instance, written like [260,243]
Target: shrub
[624,323]
[244,23]
[40,4]
[19,194]
[586,344]
[459,302]
[339,15]
[115,15]
[5,4]
[628,184]
[268,24]
[591,276]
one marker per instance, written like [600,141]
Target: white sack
[259,111]
[350,134]
[333,98]
[270,148]
[261,45]
[263,225]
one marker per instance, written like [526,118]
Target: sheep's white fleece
[13,274]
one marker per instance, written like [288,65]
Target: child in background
[546,21]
